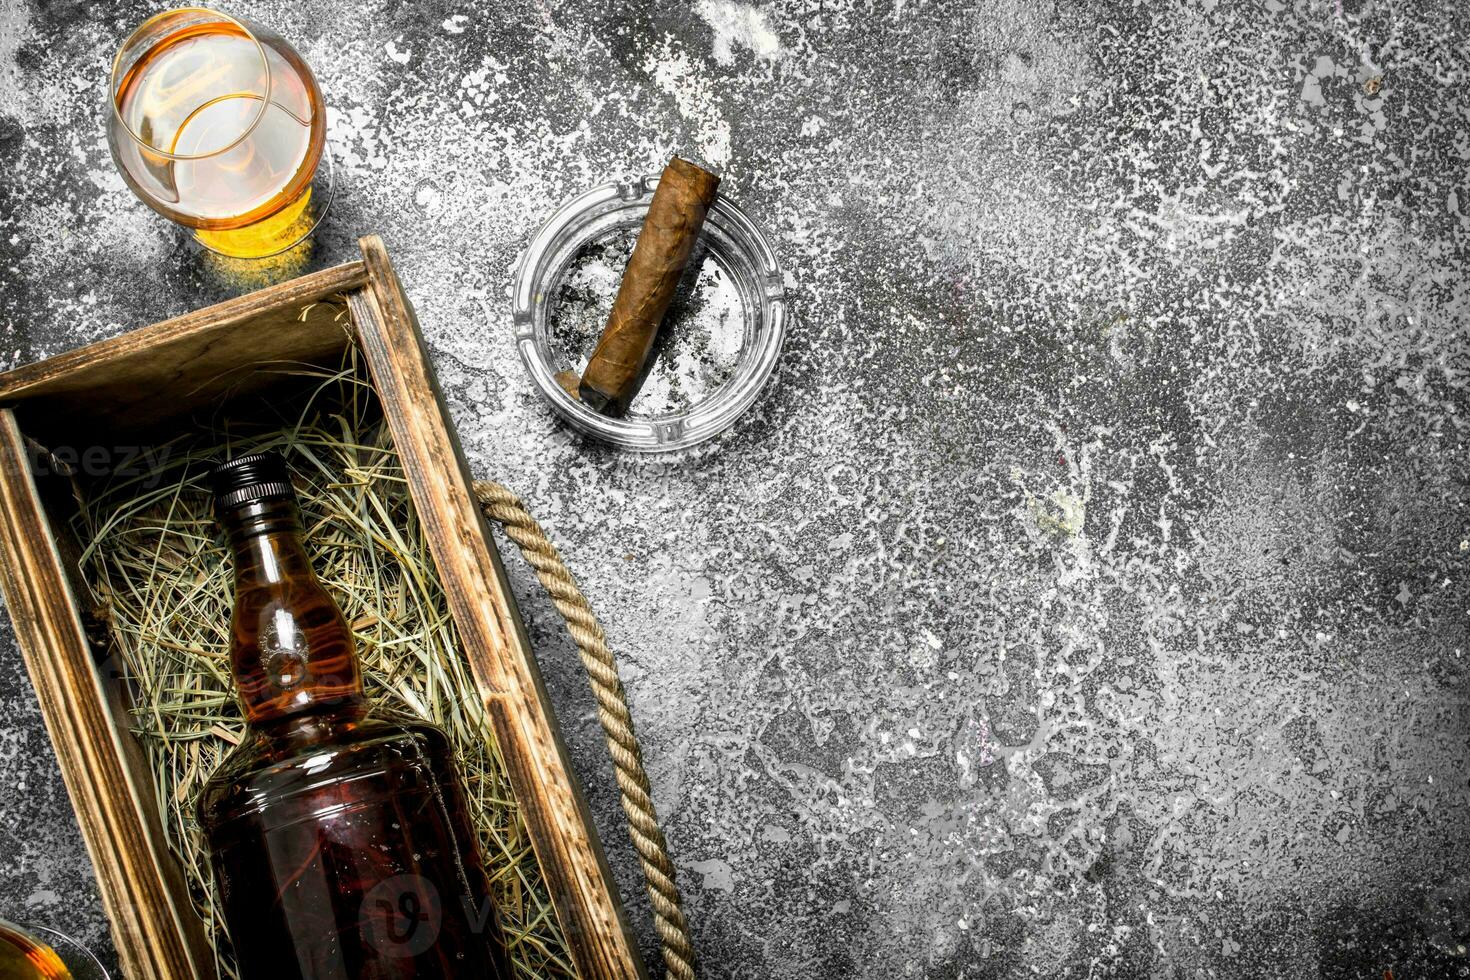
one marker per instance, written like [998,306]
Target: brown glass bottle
[338,832]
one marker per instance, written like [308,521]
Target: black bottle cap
[246,479]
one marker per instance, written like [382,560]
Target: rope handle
[507,510]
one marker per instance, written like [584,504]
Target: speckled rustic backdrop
[1087,597]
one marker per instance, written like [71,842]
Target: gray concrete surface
[1088,596]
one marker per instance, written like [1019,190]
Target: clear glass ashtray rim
[579,222]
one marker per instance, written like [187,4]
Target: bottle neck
[291,651]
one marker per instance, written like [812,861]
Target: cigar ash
[698,346]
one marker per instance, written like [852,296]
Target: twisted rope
[506,509]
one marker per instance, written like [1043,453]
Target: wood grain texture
[157,934]
[194,358]
[152,381]
[491,633]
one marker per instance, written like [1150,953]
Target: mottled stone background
[1087,597]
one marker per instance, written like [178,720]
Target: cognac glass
[218,124]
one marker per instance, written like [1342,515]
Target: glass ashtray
[717,346]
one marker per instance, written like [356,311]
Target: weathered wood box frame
[116,393]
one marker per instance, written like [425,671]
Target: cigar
[675,215]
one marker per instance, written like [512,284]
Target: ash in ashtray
[698,346]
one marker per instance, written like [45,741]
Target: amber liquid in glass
[340,837]
[193,94]
[23,957]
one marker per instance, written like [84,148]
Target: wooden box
[131,388]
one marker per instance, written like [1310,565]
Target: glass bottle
[339,834]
